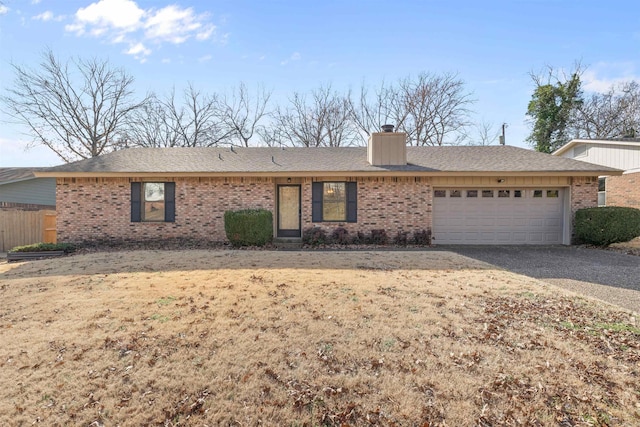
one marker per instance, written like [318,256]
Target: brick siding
[584,193]
[623,190]
[100,209]
[393,204]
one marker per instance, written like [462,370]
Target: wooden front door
[288,211]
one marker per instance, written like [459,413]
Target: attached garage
[496,216]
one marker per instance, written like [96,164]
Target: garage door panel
[499,220]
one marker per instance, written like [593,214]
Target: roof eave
[300,174]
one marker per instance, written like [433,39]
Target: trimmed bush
[44,247]
[401,238]
[314,236]
[340,236]
[605,225]
[379,237]
[422,237]
[249,227]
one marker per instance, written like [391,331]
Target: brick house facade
[100,208]
[487,195]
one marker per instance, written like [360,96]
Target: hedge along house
[462,195]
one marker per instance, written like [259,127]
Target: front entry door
[288,211]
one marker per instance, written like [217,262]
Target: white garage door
[498,216]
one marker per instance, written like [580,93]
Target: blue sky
[299,45]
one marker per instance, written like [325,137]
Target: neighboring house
[619,153]
[19,188]
[462,195]
[27,208]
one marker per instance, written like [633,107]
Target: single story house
[461,194]
[619,153]
[21,189]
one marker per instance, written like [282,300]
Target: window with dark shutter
[334,202]
[153,201]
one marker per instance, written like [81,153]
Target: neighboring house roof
[470,160]
[20,186]
[612,141]
[9,175]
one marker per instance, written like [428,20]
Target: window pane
[153,201]
[602,182]
[487,193]
[455,193]
[517,193]
[552,193]
[537,193]
[153,191]
[334,201]
[440,193]
[472,193]
[504,193]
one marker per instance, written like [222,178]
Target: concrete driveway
[610,276]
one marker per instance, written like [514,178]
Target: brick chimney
[387,148]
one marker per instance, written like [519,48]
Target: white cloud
[48,16]
[295,56]
[138,49]
[205,58]
[176,25]
[3,9]
[602,76]
[123,21]
[35,1]
[108,15]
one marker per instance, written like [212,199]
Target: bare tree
[431,109]
[322,121]
[484,133]
[371,111]
[193,121]
[437,109]
[77,109]
[243,114]
[613,114]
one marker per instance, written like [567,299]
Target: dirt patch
[631,248]
[306,338]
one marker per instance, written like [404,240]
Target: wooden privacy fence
[19,228]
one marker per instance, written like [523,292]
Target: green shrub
[605,225]
[43,247]
[249,227]
[314,236]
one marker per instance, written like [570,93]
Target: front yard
[399,338]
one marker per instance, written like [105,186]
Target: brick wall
[624,190]
[584,193]
[392,204]
[100,209]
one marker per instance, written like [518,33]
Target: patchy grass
[306,339]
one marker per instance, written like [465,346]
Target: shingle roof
[9,175]
[421,160]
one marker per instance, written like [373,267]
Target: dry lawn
[306,339]
[631,247]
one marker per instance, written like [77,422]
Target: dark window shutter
[169,201]
[352,201]
[136,202]
[316,201]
